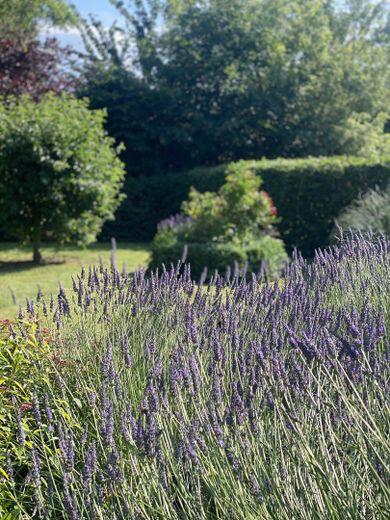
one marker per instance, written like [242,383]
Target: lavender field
[163,397]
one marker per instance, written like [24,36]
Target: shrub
[219,230]
[368,213]
[265,251]
[233,400]
[60,176]
[24,371]
[309,195]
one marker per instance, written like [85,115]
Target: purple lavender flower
[84,436]
[108,370]
[90,464]
[194,368]
[113,469]
[126,352]
[36,468]
[173,222]
[8,465]
[69,505]
[36,408]
[21,432]
[107,426]
[92,399]
[63,301]
[150,437]
[67,449]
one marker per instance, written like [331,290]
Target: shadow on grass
[13,266]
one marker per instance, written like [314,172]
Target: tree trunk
[37,257]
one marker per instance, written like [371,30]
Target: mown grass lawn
[20,278]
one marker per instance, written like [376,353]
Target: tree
[138,116]
[275,78]
[27,17]
[27,64]
[60,176]
[33,68]
[246,78]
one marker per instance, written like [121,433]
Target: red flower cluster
[273,209]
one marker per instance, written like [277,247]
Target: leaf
[78,402]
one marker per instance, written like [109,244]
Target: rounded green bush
[231,228]
[266,250]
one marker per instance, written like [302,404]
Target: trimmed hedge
[309,194]
[152,199]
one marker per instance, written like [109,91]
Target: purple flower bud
[90,464]
[9,469]
[36,468]
[69,503]
[113,469]
[36,408]
[49,413]
[21,432]
[66,449]
[126,352]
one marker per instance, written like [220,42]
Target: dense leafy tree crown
[232,79]
[33,67]
[59,172]
[27,17]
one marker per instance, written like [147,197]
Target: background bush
[152,199]
[167,250]
[309,194]
[228,228]
[368,213]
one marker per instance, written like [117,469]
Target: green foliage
[168,248]
[19,280]
[238,210]
[21,17]
[24,370]
[152,199]
[223,229]
[59,173]
[370,212]
[309,194]
[136,115]
[240,79]
[31,401]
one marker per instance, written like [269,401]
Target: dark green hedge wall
[309,193]
[151,199]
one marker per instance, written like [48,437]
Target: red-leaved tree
[33,67]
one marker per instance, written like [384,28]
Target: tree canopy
[228,79]
[29,16]
[59,173]
[33,67]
